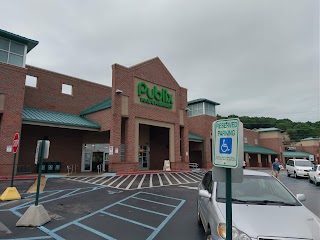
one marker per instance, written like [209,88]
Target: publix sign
[154,96]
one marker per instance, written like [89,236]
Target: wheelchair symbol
[225,145]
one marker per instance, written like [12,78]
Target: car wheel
[288,174]
[208,234]
[310,181]
[295,175]
[315,182]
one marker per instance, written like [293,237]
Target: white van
[298,167]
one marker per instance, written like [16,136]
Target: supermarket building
[136,124]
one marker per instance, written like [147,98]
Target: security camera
[118,91]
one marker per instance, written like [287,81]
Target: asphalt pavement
[93,208]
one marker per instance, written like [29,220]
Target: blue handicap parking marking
[145,221]
[225,146]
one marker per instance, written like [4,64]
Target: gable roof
[105,104]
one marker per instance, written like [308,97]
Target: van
[298,167]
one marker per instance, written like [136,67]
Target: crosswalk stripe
[122,181]
[107,180]
[167,179]
[114,181]
[160,180]
[150,183]
[194,177]
[129,185]
[183,177]
[139,186]
[188,177]
[98,180]
[175,178]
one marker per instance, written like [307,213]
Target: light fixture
[118,91]
[187,109]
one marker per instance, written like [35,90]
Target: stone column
[269,160]
[247,159]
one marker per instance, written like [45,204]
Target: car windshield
[257,190]
[303,163]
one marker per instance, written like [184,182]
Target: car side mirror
[301,197]
[204,193]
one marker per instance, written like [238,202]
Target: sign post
[227,151]
[11,193]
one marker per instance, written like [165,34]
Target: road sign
[227,142]
[15,143]
[311,158]
[37,152]
[46,147]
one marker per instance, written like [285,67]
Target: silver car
[262,208]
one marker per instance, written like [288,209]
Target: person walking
[276,168]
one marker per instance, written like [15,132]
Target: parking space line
[161,196]
[76,190]
[129,185]
[84,179]
[108,179]
[143,209]
[167,179]
[29,238]
[183,178]
[122,181]
[50,233]
[129,220]
[94,231]
[93,213]
[114,181]
[155,233]
[150,182]
[160,180]
[139,186]
[147,200]
[175,178]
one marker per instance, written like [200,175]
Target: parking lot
[117,208]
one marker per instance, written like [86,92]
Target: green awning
[258,149]
[33,116]
[105,104]
[296,154]
[193,137]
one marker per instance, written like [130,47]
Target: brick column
[259,160]
[185,148]
[269,160]
[247,159]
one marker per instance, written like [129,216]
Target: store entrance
[97,159]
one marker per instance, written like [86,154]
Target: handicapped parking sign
[225,145]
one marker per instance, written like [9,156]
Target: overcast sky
[255,57]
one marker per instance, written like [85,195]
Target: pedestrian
[244,164]
[276,168]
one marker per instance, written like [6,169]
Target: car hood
[304,168]
[274,221]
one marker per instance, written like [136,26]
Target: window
[256,141]
[207,182]
[195,109]
[209,109]
[245,139]
[31,81]
[67,89]
[12,52]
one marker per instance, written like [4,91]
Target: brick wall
[251,136]
[152,71]
[12,85]
[48,94]
[103,118]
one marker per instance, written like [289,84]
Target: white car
[298,167]
[262,209]
[314,175]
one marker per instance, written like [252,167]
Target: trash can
[44,167]
[50,167]
[57,167]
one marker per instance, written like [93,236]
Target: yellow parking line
[33,188]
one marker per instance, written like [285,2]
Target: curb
[6,178]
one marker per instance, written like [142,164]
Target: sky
[256,58]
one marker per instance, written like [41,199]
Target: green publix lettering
[159,96]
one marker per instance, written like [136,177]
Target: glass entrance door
[87,161]
[97,159]
[144,157]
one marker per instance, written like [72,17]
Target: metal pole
[228,204]
[40,156]
[14,165]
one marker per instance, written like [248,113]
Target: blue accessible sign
[227,141]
